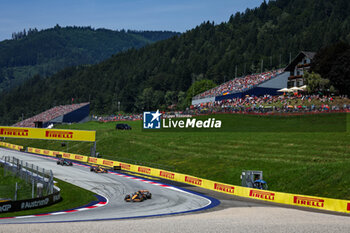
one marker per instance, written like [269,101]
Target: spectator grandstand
[58,114]
[274,104]
[239,84]
[267,104]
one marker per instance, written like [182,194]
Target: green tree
[170,97]
[333,63]
[197,88]
[315,83]
[145,100]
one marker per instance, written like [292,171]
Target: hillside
[48,51]
[159,74]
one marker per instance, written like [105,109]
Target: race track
[113,186]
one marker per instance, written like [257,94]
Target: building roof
[50,114]
[298,58]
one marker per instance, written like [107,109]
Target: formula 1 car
[139,196]
[146,194]
[64,162]
[135,197]
[98,169]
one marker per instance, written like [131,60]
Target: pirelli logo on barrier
[92,160]
[51,134]
[262,195]
[58,134]
[78,157]
[7,132]
[37,151]
[308,201]
[11,146]
[66,155]
[348,208]
[144,170]
[107,163]
[167,175]
[46,152]
[224,188]
[193,180]
[125,166]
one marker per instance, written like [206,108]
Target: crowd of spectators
[49,114]
[253,105]
[119,117]
[248,104]
[239,84]
[268,103]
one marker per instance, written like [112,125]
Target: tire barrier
[320,203]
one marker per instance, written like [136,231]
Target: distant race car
[64,162]
[98,169]
[138,196]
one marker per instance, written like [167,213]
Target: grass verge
[8,186]
[72,197]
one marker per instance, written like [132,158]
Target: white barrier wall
[205,100]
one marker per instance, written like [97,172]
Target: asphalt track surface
[232,215]
[113,186]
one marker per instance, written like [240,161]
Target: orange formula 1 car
[135,197]
[98,169]
[138,196]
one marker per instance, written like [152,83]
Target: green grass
[8,186]
[311,163]
[72,197]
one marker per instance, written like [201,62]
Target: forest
[160,74]
[44,52]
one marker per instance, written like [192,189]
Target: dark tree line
[47,51]
[333,63]
[23,34]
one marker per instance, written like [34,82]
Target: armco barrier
[11,146]
[80,158]
[103,162]
[271,196]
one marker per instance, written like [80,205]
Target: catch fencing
[33,180]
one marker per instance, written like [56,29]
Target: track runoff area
[167,199]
